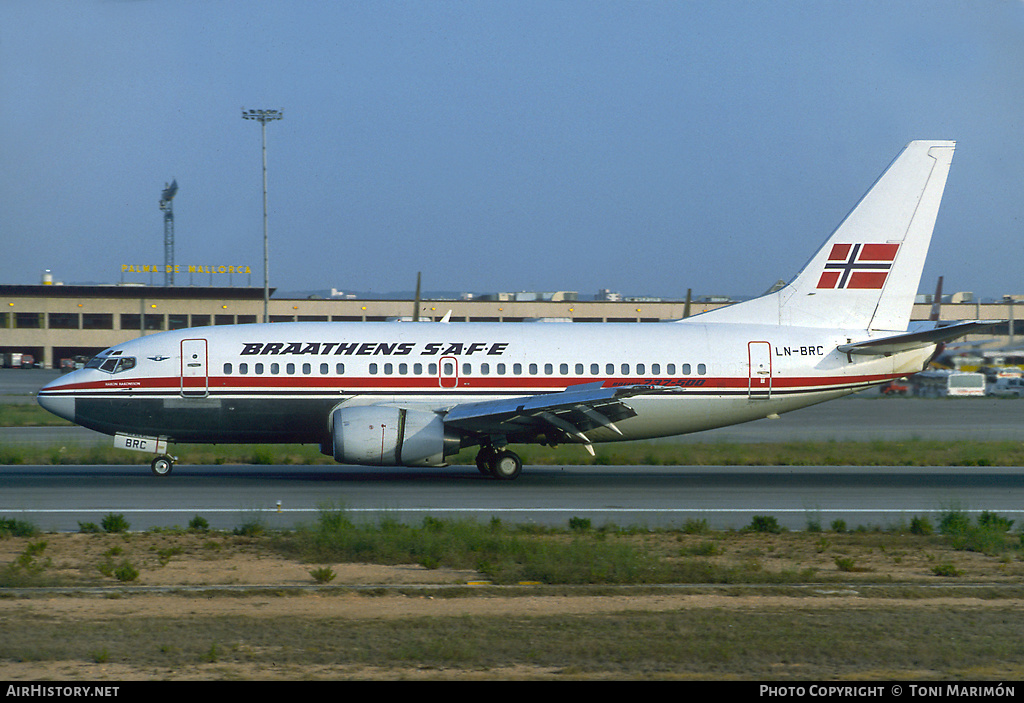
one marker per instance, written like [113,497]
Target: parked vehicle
[1012,387]
[965,384]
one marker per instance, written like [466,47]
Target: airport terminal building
[54,324]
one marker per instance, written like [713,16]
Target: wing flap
[570,413]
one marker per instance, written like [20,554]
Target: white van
[1007,387]
[965,384]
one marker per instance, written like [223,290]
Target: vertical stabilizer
[867,274]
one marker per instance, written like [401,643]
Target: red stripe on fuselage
[526,385]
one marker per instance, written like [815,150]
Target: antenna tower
[165,205]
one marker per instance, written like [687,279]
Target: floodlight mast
[165,205]
[264,116]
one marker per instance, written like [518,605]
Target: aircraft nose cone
[60,405]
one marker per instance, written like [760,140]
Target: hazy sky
[647,147]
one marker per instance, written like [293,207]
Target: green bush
[921,526]
[994,521]
[126,572]
[765,523]
[953,522]
[17,528]
[324,574]
[112,522]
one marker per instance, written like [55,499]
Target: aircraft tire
[162,465]
[485,460]
[506,466]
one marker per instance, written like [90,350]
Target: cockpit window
[111,364]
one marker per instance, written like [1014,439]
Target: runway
[57,498]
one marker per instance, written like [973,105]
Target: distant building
[55,322]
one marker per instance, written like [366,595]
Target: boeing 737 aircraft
[412,394]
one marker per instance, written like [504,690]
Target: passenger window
[625,369]
[640,368]
[227,369]
[242,369]
[324,369]
[403,369]
[259,368]
[656,369]
[339,369]
[609,369]
[533,369]
[307,369]
[373,368]
[275,368]
[432,369]
[563,369]
[594,369]
[549,369]
[501,369]
[417,369]
[686,369]
[389,369]
[670,369]
[485,369]
[517,369]
[702,369]
[289,368]
[467,369]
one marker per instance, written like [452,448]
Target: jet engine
[378,435]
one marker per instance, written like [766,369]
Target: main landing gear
[502,464]
[162,465]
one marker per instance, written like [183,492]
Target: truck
[17,360]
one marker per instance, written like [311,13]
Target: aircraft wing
[908,341]
[567,414]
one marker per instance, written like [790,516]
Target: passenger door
[759,380]
[194,376]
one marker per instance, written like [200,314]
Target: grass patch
[753,643]
[29,415]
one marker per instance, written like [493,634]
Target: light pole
[264,116]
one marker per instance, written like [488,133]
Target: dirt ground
[181,563]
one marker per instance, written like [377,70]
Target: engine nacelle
[384,436]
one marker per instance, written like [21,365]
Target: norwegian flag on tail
[858,266]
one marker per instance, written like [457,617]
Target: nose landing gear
[162,465]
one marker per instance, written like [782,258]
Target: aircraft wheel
[506,466]
[162,465]
[485,460]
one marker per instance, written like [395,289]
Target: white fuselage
[280,382]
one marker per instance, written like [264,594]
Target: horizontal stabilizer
[915,340]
